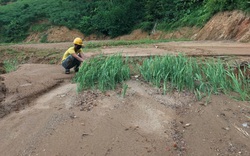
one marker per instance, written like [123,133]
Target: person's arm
[82,56]
[77,57]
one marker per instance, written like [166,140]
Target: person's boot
[67,71]
[76,69]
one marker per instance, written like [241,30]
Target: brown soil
[42,114]
[60,34]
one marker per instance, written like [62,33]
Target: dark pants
[71,62]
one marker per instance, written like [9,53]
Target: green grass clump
[10,65]
[124,89]
[240,84]
[102,72]
[209,77]
[202,77]
[177,70]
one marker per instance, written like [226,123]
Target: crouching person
[73,56]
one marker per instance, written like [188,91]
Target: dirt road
[44,115]
[204,48]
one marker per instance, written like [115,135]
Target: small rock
[202,103]
[222,114]
[85,134]
[81,109]
[245,125]
[226,128]
[72,116]
[187,125]
[183,148]
[136,127]
[62,95]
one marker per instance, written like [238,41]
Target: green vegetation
[10,65]
[209,77]
[102,72]
[168,73]
[178,70]
[124,89]
[240,84]
[106,17]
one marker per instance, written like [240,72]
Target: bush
[214,6]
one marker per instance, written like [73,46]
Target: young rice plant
[169,72]
[102,72]
[206,77]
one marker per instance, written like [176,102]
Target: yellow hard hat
[78,41]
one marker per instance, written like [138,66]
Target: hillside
[235,26]
[45,20]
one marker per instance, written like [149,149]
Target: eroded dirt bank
[18,88]
[234,25]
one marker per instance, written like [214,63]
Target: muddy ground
[42,114]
